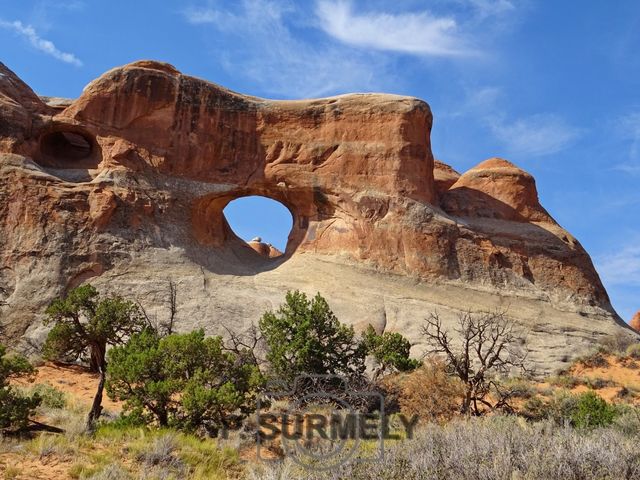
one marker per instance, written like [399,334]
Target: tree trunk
[163,418]
[466,402]
[98,353]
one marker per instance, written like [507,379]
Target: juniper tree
[187,381]
[305,337]
[84,325]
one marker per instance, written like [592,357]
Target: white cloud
[265,50]
[621,267]
[46,46]
[414,33]
[536,135]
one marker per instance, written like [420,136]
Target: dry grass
[489,448]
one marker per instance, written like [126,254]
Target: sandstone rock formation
[265,249]
[443,177]
[635,322]
[126,185]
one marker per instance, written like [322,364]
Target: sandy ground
[19,467]
[75,381]
[621,373]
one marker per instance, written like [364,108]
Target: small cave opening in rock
[63,146]
[263,223]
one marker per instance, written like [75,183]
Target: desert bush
[565,380]
[208,459]
[591,410]
[46,445]
[15,407]
[428,392]
[390,351]
[12,472]
[111,472]
[169,454]
[305,337]
[534,408]
[187,381]
[593,360]
[633,351]
[71,418]
[598,383]
[627,419]
[617,343]
[161,452]
[559,409]
[520,387]
[50,397]
[626,393]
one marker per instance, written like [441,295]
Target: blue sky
[553,86]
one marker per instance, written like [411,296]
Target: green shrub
[188,381]
[591,411]
[15,407]
[304,337]
[126,421]
[51,396]
[389,350]
[560,408]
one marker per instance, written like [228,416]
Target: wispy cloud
[331,46]
[628,127]
[421,33]
[490,8]
[625,131]
[265,50]
[621,267]
[45,46]
[535,135]
[628,168]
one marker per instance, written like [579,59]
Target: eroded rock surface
[126,186]
[635,322]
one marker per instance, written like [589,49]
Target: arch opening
[65,146]
[262,223]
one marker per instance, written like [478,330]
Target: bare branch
[488,347]
[248,343]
